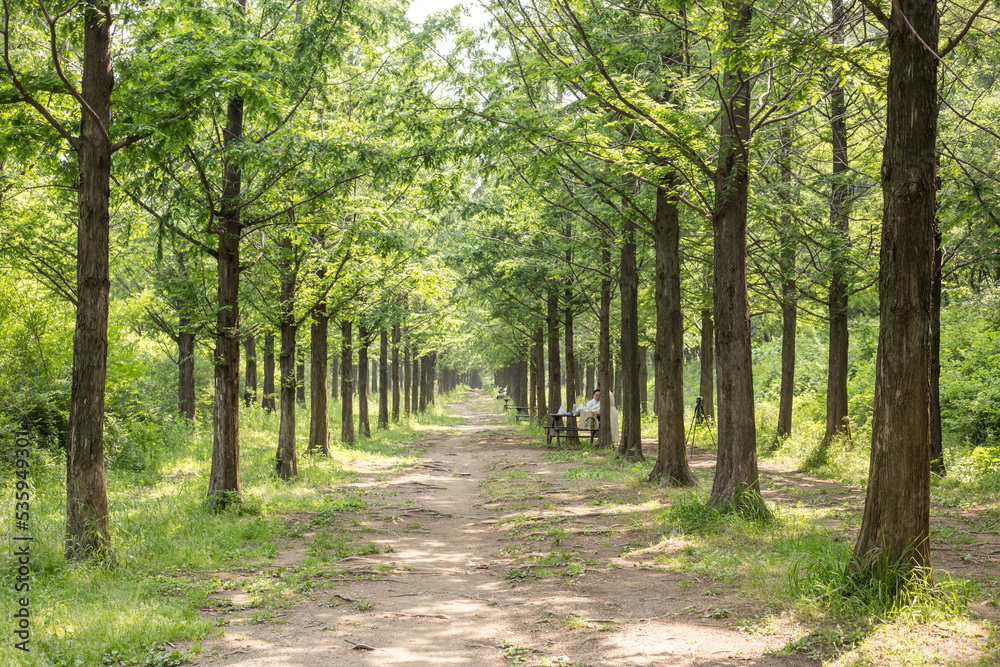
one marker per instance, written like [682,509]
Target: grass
[168,546]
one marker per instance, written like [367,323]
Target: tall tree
[895,526]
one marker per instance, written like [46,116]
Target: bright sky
[419,9]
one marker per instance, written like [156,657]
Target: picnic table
[522,412]
[557,430]
[506,400]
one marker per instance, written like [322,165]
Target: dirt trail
[451,599]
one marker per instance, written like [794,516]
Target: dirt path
[455,585]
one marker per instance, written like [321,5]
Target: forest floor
[493,551]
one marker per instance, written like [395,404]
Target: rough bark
[87,533]
[396,337]
[706,382]
[569,352]
[541,409]
[346,384]
[300,377]
[895,527]
[250,366]
[415,379]
[552,338]
[286,459]
[224,482]
[736,476]
[383,377]
[409,377]
[836,385]
[589,389]
[644,379]
[334,374]
[671,453]
[604,351]
[424,370]
[937,444]
[789,291]
[319,413]
[185,370]
[630,445]
[364,340]
[267,400]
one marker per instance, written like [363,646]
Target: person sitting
[502,393]
[594,404]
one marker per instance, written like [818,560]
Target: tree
[895,527]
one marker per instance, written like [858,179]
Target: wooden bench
[560,431]
[522,412]
[506,400]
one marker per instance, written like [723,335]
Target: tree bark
[836,385]
[364,340]
[604,436]
[346,384]
[895,527]
[396,337]
[415,380]
[570,353]
[736,476]
[334,373]
[185,370]
[630,446]
[644,379]
[224,482]
[300,377]
[707,381]
[319,413]
[552,338]
[267,401]
[937,442]
[408,378]
[431,374]
[250,364]
[671,453]
[286,463]
[541,410]
[87,533]
[383,377]
[789,291]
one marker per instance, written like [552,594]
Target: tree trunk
[396,337]
[364,340]
[895,527]
[185,369]
[552,329]
[409,378]
[224,482]
[533,383]
[644,379]
[589,389]
[671,454]
[319,413]
[415,380]
[286,458]
[604,435]
[630,445]
[736,476]
[250,362]
[383,384]
[522,392]
[789,291]
[937,444]
[300,377]
[836,384]
[346,384]
[571,390]
[87,533]
[541,410]
[424,370]
[706,383]
[334,374]
[267,401]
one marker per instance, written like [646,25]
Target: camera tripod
[699,419]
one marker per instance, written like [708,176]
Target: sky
[419,9]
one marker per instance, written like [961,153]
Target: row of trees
[714,135]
